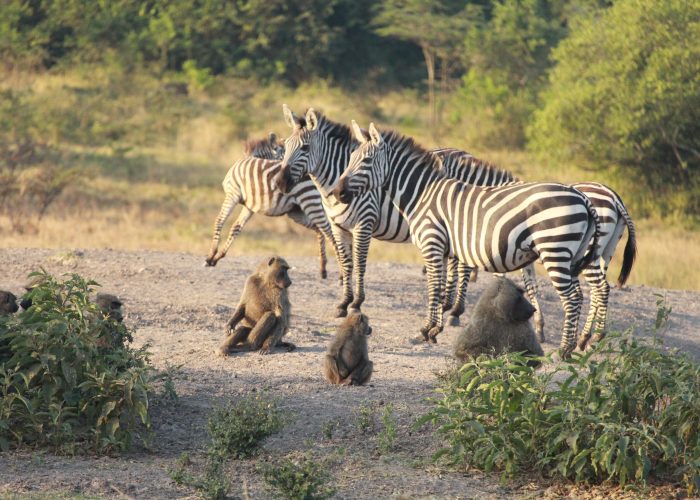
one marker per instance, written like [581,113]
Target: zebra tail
[592,252]
[630,248]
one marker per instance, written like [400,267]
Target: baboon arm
[238,315]
[263,331]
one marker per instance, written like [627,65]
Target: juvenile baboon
[8,303]
[110,305]
[346,360]
[263,311]
[499,323]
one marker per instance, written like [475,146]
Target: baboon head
[275,272]
[33,282]
[510,302]
[110,305]
[359,324]
[8,303]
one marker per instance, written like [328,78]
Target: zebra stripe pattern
[321,148]
[495,228]
[250,182]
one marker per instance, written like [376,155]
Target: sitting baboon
[8,303]
[346,360]
[499,323]
[110,305]
[263,311]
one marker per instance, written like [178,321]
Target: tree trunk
[429,57]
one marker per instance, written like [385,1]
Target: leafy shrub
[622,412]
[387,438]
[237,429]
[213,485]
[298,477]
[67,379]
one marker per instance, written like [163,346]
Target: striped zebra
[321,148]
[495,228]
[250,182]
[613,217]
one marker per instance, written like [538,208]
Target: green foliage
[626,92]
[387,437]
[298,477]
[67,380]
[622,412]
[212,485]
[237,429]
[365,419]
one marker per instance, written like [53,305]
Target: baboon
[110,305]
[32,283]
[263,311]
[499,323]
[346,360]
[8,303]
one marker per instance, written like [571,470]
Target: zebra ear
[375,135]
[289,117]
[357,131]
[311,119]
[272,138]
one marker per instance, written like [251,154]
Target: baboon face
[511,301]
[278,272]
[361,324]
[110,305]
[8,303]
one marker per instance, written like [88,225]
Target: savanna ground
[180,308]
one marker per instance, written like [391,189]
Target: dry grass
[158,185]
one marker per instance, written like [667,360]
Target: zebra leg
[531,287]
[322,253]
[301,218]
[448,299]
[433,325]
[343,243]
[464,273]
[597,313]
[361,237]
[230,201]
[316,215]
[569,289]
[237,227]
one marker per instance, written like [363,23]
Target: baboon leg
[361,374]
[361,238]
[330,369]
[238,315]
[463,273]
[531,288]
[343,241]
[236,229]
[230,201]
[236,341]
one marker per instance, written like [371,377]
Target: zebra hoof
[453,320]
[433,333]
[324,274]
[341,312]
[565,354]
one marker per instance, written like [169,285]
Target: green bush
[298,477]
[67,379]
[237,429]
[625,92]
[622,412]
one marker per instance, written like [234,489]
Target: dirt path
[180,308]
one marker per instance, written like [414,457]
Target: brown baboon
[110,305]
[346,360]
[8,303]
[499,323]
[263,311]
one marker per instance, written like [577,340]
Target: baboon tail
[630,248]
[592,251]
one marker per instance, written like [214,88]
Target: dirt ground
[180,308]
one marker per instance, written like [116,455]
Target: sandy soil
[180,308]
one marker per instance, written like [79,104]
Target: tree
[626,91]
[437,27]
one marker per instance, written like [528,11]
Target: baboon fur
[8,303]
[262,315]
[499,323]
[346,361]
[110,305]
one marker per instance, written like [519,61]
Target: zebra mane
[251,147]
[398,142]
[334,130]
[489,170]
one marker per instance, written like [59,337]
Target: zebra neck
[409,178]
[334,159]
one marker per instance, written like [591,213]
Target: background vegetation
[120,118]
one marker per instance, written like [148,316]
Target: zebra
[321,148]
[613,217]
[496,228]
[250,182]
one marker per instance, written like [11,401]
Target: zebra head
[269,148]
[368,166]
[300,148]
